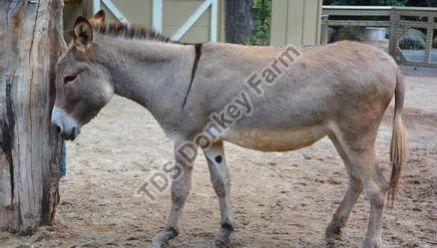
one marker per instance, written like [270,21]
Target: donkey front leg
[180,189]
[221,183]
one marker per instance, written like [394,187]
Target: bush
[261,32]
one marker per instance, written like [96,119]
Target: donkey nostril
[58,129]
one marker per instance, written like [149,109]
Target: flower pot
[374,34]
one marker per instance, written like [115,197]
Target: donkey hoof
[162,239]
[333,232]
[159,245]
[222,244]
[372,243]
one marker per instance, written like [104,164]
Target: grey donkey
[250,96]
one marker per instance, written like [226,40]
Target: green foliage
[261,33]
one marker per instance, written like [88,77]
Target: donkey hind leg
[376,187]
[361,151]
[221,183]
[180,188]
[354,190]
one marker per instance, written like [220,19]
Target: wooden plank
[420,9]
[413,24]
[420,14]
[295,22]
[310,23]
[356,23]
[330,7]
[361,12]
[278,33]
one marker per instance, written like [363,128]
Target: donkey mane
[131,31]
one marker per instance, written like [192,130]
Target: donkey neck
[145,70]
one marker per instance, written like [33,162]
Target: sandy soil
[280,199]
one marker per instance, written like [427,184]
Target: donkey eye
[68,79]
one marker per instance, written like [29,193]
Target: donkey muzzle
[66,127]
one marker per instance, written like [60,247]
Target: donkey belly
[275,140]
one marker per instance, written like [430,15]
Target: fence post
[429,40]
[324,30]
[393,39]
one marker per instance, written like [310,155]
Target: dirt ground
[280,199]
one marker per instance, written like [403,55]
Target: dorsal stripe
[198,53]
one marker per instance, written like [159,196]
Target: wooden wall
[293,21]
[176,13]
[296,22]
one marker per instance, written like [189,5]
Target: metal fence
[397,20]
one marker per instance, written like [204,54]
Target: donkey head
[83,87]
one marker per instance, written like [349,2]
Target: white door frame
[115,11]
[157,17]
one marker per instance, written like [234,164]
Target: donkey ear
[83,33]
[98,19]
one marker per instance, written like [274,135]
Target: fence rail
[398,20]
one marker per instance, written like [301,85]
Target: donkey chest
[275,140]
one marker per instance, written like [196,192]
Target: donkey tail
[398,147]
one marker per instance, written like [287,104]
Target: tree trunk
[240,20]
[30,44]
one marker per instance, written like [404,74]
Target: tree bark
[30,44]
[240,20]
